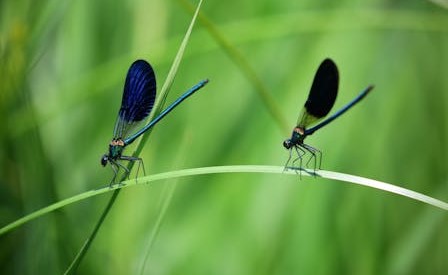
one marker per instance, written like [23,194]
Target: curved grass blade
[265,169]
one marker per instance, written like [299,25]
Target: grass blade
[157,109]
[262,169]
[246,68]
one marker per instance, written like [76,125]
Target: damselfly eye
[104,160]
[287,144]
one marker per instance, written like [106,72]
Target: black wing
[322,94]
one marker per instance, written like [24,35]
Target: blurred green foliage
[62,69]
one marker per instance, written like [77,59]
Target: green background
[62,69]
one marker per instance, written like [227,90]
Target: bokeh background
[62,70]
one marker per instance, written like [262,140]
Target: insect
[138,99]
[320,100]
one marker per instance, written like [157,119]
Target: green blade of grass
[168,193]
[250,73]
[261,169]
[157,109]
[442,3]
[170,77]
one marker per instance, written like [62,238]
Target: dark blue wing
[138,97]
